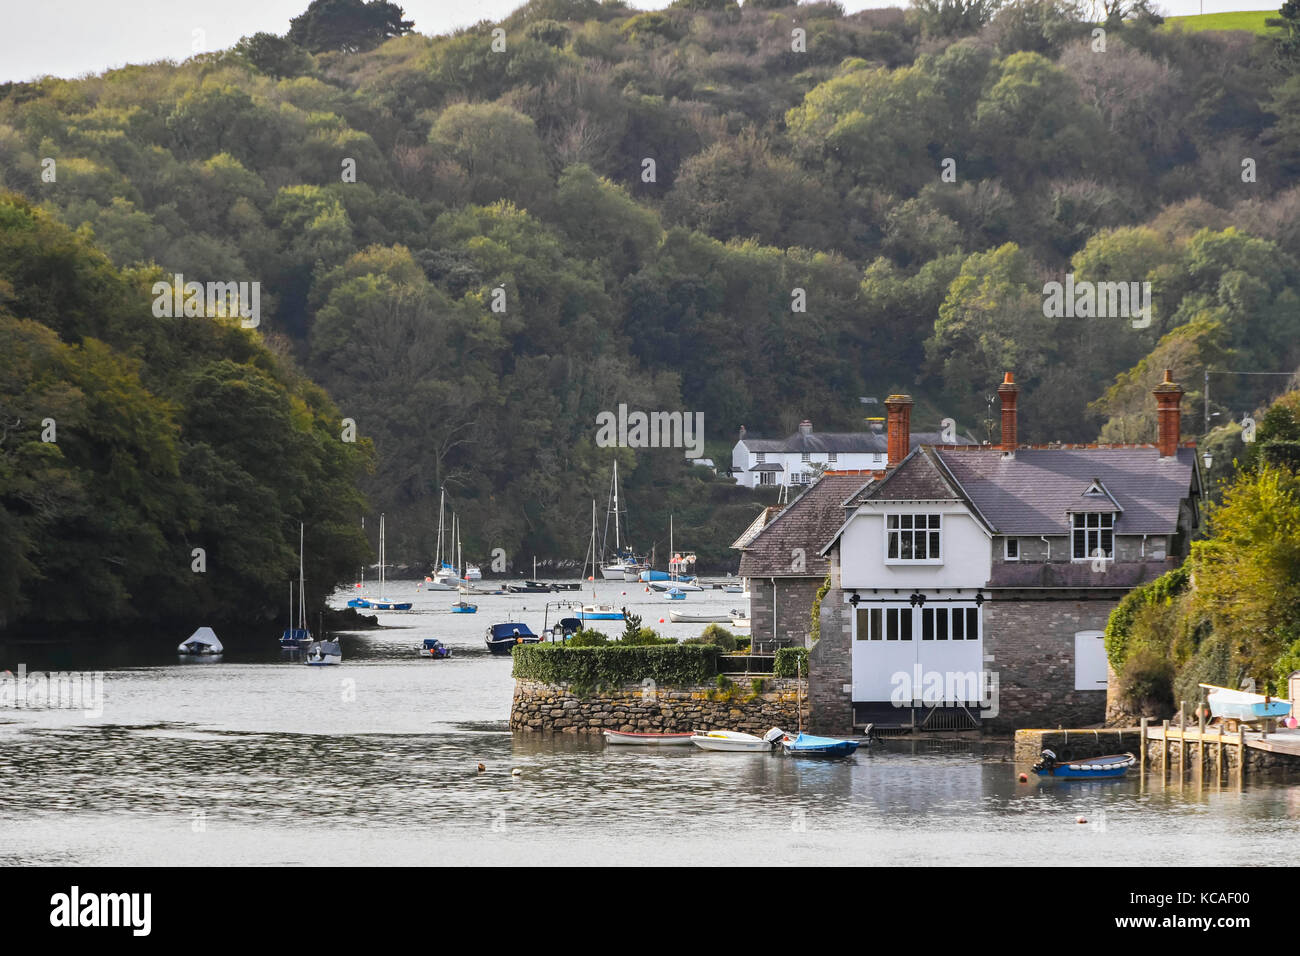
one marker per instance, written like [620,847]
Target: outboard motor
[1047,764]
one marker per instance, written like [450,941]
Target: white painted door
[931,654]
[1090,661]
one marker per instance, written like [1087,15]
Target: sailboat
[381,603]
[624,560]
[592,556]
[296,638]
[675,578]
[444,575]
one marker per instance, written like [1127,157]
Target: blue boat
[675,594]
[806,745]
[1085,768]
[648,576]
[295,638]
[502,638]
[600,612]
[432,647]
[359,602]
[464,607]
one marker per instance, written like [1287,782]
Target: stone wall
[1032,646]
[794,601]
[552,708]
[1076,744]
[830,663]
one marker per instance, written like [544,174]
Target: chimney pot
[1009,392]
[898,439]
[805,427]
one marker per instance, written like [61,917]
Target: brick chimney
[805,427]
[1169,415]
[1008,392]
[899,436]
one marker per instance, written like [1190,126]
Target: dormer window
[1092,535]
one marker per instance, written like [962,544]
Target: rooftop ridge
[1057,446]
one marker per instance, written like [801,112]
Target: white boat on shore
[739,620]
[1244,706]
[735,741]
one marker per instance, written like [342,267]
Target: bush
[645,637]
[1119,628]
[791,662]
[1211,664]
[1146,685]
[588,638]
[715,634]
[616,664]
[815,628]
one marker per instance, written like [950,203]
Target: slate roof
[918,477]
[1032,492]
[1125,575]
[876,443]
[808,523]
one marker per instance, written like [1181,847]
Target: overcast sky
[72,37]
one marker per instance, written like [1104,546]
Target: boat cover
[510,629]
[204,636]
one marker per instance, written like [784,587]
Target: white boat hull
[732,741]
[648,740]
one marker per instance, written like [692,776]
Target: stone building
[971,584]
[783,563]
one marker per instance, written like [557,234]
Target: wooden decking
[1199,740]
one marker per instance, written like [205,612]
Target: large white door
[932,654]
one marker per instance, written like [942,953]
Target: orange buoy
[661,620]
[1024,778]
[1080,819]
[481,768]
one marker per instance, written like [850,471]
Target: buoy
[516,772]
[1024,778]
[1080,819]
[623,592]
[661,620]
[647,590]
[481,768]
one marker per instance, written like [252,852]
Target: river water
[259,760]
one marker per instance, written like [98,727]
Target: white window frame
[899,530]
[1092,534]
[1006,549]
[832,456]
[760,458]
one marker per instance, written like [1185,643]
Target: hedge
[791,662]
[615,665]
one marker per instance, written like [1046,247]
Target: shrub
[588,638]
[645,637]
[1146,685]
[815,629]
[616,664]
[715,634]
[1119,628]
[791,662]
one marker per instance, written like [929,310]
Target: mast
[617,545]
[442,500]
[383,585]
[302,600]
[671,554]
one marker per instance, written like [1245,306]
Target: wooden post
[1200,744]
[1241,752]
[1164,752]
[1142,749]
[1182,739]
[1218,775]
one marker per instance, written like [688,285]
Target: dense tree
[348,25]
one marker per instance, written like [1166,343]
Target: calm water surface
[257,760]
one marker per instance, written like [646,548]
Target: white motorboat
[202,643]
[735,741]
[669,585]
[739,620]
[324,653]
[473,573]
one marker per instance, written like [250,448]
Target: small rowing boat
[682,617]
[647,740]
[735,741]
[1086,768]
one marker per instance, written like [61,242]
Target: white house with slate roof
[799,458]
[972,584]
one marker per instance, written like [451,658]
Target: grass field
[1252,20]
